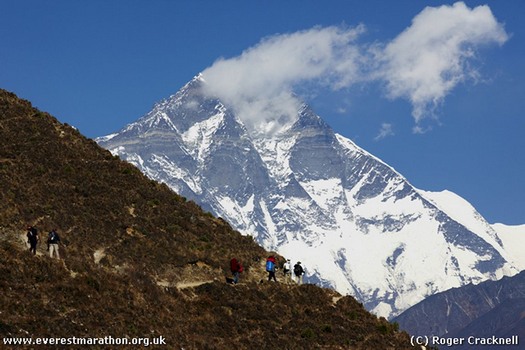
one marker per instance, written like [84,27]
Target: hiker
[287,270]
[236,269]
[32,239]
[270,267]
[52,243]
[298,271]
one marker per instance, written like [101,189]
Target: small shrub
[93,283]
[395,326]
[326,328]
[382,328]
[352,315]
[308,333]
[68,169]
[154,202]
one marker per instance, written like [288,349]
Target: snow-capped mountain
[312,195]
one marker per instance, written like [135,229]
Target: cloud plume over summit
[260,82]
[422,64]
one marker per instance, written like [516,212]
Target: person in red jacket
[236,269]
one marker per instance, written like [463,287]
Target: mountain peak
[289,181]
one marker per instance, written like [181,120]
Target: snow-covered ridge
[513,238]
[106,138]
[462,211]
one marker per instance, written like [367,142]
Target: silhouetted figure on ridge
[32,239]
[298,271]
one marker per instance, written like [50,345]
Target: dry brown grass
[132,250]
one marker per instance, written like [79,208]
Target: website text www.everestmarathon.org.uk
[107,340]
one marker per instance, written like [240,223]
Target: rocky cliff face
[313,195]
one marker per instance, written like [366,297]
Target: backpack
[298,270]
[270,266]
[234,265]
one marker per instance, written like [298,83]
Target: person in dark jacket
[298,271]
[52,241]
[32,239]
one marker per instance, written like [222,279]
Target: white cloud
[385,131]
[259,83]
[427,60]
[341,110]
[422,64]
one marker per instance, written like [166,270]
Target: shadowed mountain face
[138,260]
[491,308]
[312,195]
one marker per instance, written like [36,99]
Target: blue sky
[100,65]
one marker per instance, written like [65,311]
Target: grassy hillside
[138,260]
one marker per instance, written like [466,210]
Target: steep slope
[505,321]
[138,260]
[315,196]
[513,239]
[491,308]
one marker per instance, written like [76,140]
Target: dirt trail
[184,285]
